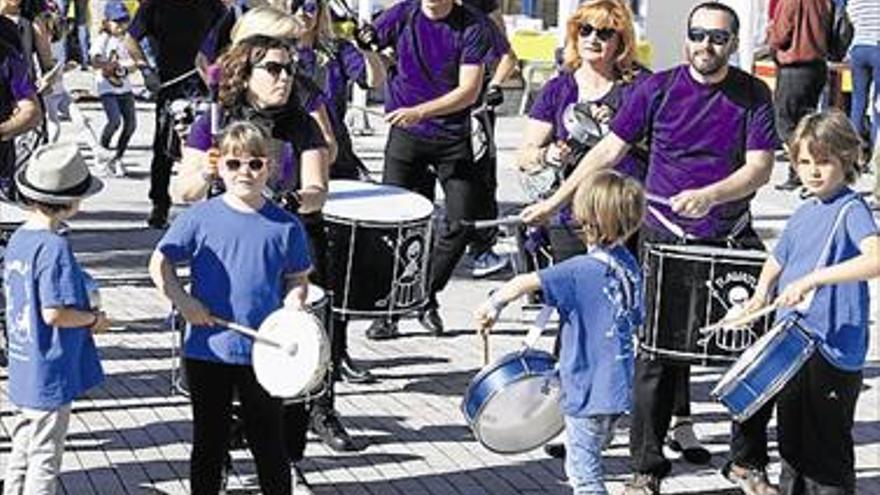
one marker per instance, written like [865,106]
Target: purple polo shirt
[699,135]
[429,54]
[15,84]
[561,91]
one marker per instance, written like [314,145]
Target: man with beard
[712,135]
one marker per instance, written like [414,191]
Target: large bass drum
[379,238]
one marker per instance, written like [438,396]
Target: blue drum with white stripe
[512,405]
[764,368]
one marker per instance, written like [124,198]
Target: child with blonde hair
[819,270]
[599,299]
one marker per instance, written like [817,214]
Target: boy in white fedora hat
[50,320]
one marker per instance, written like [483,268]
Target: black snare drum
[690,287]
[379,239]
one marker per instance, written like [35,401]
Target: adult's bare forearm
[745,181]
[454,101]
[25,117]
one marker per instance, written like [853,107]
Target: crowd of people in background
[280,78]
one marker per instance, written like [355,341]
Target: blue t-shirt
[48,366]
[597,323]
[238,261]
[838,315]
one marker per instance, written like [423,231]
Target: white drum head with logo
[289,374]
[381,203]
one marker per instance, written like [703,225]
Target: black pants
[416,164]
[296,415]
[798,88]
[815,419]
[211,388]
[660,389]
[484,239]
[166,144]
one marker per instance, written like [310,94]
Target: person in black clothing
[176,28]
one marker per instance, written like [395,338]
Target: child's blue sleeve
[860,223]
[57,276]
[298,250]
[558,285]
[179,242]
[783,247]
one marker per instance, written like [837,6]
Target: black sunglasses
[255,164]
[276,68]
[718,37]
[603,34]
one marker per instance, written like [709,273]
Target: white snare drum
[379,238]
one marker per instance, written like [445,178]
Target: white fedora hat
[57,174]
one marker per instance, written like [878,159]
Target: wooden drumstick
[740,320]
[485,336]
[289,348]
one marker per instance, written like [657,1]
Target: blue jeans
[118,108]
[585,439]
[865,64]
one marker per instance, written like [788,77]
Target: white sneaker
[116,167]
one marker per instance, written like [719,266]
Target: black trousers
[211,388]
[296,415]
[661,389]
[798,88]
[166,143]
[815,413]
[417,164]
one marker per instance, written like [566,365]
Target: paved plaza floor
[132,435]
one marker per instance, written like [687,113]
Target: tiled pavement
[132,435]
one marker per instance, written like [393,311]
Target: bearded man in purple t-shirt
[440,51]
[712,135]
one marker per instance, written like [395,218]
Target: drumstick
[289,348]
[740,320]
[485,336]
[368,111]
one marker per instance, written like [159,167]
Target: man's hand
[494,96]
[195,312]
[404,117]
[693,203]
[366,38]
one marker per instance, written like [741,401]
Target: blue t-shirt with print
[238,261]
[838,314]
[597,322]
[48,366]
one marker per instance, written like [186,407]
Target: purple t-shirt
[561,91]
[698,135]
[429,54]
[15,84]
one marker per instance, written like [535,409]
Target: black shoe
[158,217]
[330,430]
[352,374]
[382,330]
[789,185]
[555,450]
[430,319]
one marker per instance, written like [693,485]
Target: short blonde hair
[609,207]
[265,21]
[244,138]
[829,136]
[603,14]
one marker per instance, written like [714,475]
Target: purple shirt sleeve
[389,24]
[353,64]
[20,82]
[139,26]
[761,133]
[200,134]
[499,45]
[475,43]
[547,102]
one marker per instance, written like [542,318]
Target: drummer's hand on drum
[194,311]
[404,117]
[692,203]
[795,292]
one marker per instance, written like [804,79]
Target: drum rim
[377,224]
[504,359]
[472,422]
[683,250]
[705,359]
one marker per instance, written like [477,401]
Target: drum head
[521,417]
[284,374]
[356,200]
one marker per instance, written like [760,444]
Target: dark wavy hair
[238,63]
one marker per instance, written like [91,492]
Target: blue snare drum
[512,405]
[763,369]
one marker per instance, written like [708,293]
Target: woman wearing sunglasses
[598,69]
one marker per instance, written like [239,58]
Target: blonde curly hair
[603,14]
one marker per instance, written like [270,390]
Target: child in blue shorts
[247,258]
[598,296]
[49,318]
[834,231]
